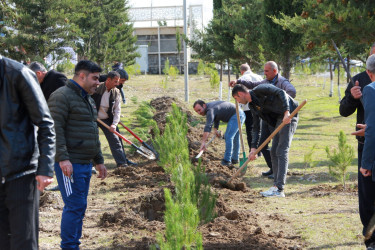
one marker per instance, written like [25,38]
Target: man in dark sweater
[49,81]
[273,106]
[351,102]
[226,112]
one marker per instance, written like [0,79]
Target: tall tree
[280,44]
[349,23]
[35,28]
[106,32]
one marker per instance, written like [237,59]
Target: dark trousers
[366,196]
[19,206]
[115,143]
[249,126]
[266,151]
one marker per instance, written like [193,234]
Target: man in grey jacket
[273,106]
[222,111]
[27,149]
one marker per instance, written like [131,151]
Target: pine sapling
[340,159]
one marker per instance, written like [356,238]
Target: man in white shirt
[248,75]
[108,101]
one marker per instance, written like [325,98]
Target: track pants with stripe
[74,193]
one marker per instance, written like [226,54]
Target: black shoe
[234,161]
[93,170]
[225,163]
[122,165]
[271,176]
[269,172]
[130,163]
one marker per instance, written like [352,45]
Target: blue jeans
[74,193]
[232,138]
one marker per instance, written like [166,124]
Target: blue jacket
[368,154]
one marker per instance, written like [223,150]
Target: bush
[65,67]
[134,69]
[214,79]
[200,68]
[341,159]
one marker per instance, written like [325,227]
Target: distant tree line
[97,30]
[256,31]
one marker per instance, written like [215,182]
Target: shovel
[244,159]
[229,184]
[140,150]
[145,145]
[201,152]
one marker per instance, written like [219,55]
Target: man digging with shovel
[222,111]
[273,106]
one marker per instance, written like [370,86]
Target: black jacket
[268,103]
[24,148]
[349,105]
[52,81]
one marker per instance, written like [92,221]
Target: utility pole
[186,68]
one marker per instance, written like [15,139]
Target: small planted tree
[308,159]
[340,159]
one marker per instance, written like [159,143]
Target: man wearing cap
[123,77]
[108,103]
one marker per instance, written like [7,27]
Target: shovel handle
[116,133]
[268,139]
[239,126]
[131,132]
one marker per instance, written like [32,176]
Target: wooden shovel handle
[268,139]
[239,126]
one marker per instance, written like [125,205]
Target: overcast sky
[207,5]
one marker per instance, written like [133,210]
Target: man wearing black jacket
[49,80]
[351,102]
[273,106]
[27,150]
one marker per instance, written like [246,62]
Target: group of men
[267,103]
[49,124]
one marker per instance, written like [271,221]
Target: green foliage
[181,225]
[200,68]
[193,202]
[65,67]
[134,69]
[173,72]
[202,195]
[36,28]
[106,32]
[143,116]
[214,79]
[308,159]
[341,159]
[166,67]
[134,99]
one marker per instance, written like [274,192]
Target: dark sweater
[218,111]
[52,81]
[349,105]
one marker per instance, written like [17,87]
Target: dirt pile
[143,215]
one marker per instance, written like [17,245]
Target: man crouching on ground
[77,145]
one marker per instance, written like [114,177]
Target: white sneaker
[269,191]
[276,193]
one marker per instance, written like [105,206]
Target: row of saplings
[192,202]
